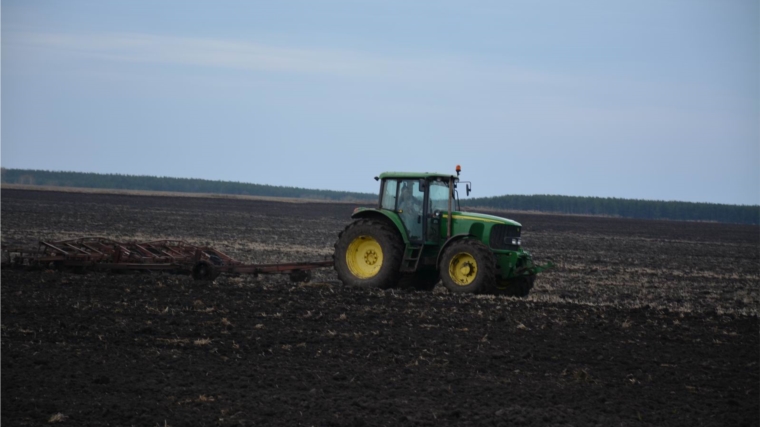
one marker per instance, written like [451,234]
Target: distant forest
[627,208]
[162,183]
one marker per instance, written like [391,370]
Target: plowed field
[641,323]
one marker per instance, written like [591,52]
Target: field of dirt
[640,323]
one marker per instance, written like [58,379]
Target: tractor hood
[472,216]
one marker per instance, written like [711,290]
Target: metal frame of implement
[99,253]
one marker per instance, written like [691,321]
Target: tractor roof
[414,175]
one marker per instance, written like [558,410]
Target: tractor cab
[420,200]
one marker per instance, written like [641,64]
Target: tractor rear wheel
[516,286]
[368,254]
[468,266]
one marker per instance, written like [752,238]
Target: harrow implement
[103,254]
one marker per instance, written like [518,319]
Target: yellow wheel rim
[364,257]
[463,269]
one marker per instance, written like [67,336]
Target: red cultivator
[98,253]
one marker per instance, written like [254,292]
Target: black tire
[300,276]
[391,246]
[204,270]
[421,281]
[516,287]
[478,281]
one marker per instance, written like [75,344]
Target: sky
[644,99]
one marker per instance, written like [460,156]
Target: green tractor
[416,237]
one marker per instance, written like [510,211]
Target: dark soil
[641,323]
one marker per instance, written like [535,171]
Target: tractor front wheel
[368,254]
[467,266]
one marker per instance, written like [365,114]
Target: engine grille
[502,235]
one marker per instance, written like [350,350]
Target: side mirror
[469,188]
[423,185]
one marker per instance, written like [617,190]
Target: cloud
[260,57]
[481,89]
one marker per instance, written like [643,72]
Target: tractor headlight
[516,241]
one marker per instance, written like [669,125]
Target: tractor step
[411,261]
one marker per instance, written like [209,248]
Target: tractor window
[389,194]
[439,196]
[410,189]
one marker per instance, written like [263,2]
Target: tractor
[418,234]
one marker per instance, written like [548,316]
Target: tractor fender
[383,215]
[448,242]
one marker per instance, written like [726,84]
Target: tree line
[627,208]
[163,183]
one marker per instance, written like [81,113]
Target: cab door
[406,198]
[410,206]
[437,203]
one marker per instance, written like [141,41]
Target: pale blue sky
[635,99]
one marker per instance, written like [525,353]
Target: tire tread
[486,264]
[382,232]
